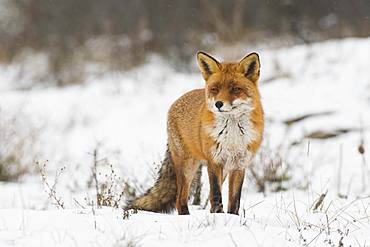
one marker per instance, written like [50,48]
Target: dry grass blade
[319,202]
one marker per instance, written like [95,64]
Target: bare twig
[95,176]
[361,150]
[51,189]
[339,175]
[78,203]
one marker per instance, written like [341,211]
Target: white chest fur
[232,134]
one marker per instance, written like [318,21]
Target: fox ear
[249,66]
[207,64]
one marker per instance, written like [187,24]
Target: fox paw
[217,209]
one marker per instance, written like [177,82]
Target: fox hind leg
[196,186]
[185,170]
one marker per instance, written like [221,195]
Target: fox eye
[214,90]
[236,89]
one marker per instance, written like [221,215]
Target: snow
[123,116]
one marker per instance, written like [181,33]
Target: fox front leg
[215,182]
[236,179]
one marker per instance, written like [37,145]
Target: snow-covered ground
[123,117]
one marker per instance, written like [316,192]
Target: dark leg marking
[217,206]
[184,210]
[197,186]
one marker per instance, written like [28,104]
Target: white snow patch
[125,115]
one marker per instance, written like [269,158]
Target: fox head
[231,88]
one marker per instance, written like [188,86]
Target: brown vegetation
[120,34]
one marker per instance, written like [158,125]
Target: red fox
[220,126]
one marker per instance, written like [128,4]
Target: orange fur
[190,118]
[224,136]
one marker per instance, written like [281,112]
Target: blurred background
[59,43]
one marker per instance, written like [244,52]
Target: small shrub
[269,171]
[50,189]
[109,187]
[18,138]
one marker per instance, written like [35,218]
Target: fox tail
[161,197]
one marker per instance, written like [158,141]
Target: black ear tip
[202,53]
[254,54]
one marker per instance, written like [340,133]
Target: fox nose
[219,104]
